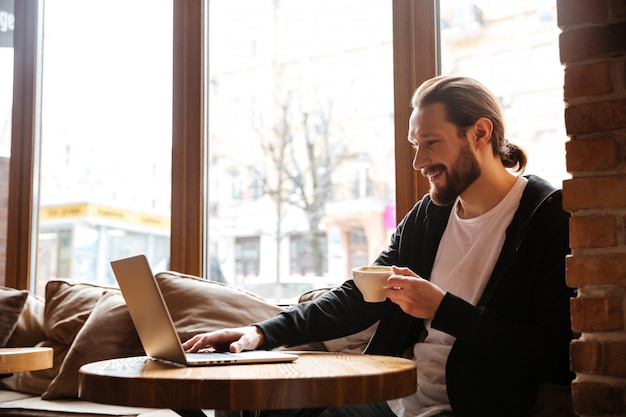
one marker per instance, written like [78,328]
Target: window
[7,27]
[515,54]
[309,256]
[105,137]
[357,244]
[187,227]
[297,89]
[247,258]
[362,183]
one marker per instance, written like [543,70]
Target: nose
[419,159]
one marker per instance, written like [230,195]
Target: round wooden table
[22,359]
[314,380]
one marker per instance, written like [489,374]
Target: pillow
[108,333]
[311,295]
[36,382]
[29,330]
[197,305]
[67,307]
[354,344]
[11,305]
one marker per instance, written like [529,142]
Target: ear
[482,131]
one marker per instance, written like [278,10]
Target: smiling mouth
[433,173]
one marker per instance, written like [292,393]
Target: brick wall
[593,48]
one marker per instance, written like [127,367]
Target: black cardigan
[516,337]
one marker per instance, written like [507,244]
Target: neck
[485,193]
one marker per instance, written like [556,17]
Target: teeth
[433,174]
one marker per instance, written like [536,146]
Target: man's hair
[465,101]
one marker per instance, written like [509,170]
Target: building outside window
[304,261]
[106,134]
[300,102]
[298,88]
[247,258]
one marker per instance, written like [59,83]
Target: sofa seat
[85,323]
[36,406]
[14,403]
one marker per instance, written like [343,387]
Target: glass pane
[106,137]
[7,27]
[301,141]
[512,48]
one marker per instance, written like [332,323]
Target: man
[478,295]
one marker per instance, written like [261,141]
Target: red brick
[598,358]
[599,41]
[592,232]
[595,117]
[587,80]
[584,356]
[572,12]
[591,155]
[614,359]
[596,398]
[594,192]
[597,314]
[609,269]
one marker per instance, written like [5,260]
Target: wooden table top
[315,379]
[22,359]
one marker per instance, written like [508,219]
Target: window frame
[414,37]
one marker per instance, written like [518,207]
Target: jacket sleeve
[340,312]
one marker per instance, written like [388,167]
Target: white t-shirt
[465,259]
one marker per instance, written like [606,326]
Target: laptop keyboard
[213,355]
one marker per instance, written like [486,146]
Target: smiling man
[478,297]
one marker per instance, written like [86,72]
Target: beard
[465,170]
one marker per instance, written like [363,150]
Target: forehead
[428,120]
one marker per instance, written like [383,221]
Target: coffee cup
[372,281]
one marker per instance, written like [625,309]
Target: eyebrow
[424,136]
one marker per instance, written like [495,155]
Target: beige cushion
[108,333]
[85,323]
[67,306]
[355,343]
[36,382]
[29,330]
[11,305]
[198,305]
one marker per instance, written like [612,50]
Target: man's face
[440,154]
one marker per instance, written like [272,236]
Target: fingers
[404,271]
[198,342]
[251,338]
[401,278]
[218,340]
[234,340]
[415,295]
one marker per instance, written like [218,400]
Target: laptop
[155,327]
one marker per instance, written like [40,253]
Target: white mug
[372,281]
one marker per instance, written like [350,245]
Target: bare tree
[299,159]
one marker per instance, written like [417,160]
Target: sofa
[85,323]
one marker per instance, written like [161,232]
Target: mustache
[432,168]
